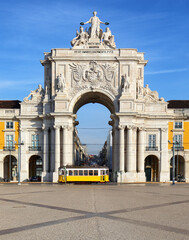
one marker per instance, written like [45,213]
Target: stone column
[57,148]
[65,145]
[141,149]
[52,156]
[121,149]
[164,161]
[131,154]
[45,150]
[115,150]
[129,149]
[24,161]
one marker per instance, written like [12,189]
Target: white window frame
[177,123]
[35,140]
[9,123]
[178,138]
[152,140]
[8,141]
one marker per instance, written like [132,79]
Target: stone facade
[93,70]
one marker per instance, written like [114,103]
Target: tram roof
[82,167]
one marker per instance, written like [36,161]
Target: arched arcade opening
[179,168]
[10,168]
[152,168]
[35,168]
[98,121]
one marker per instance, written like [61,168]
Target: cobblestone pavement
[127,211]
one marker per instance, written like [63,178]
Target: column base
[55,177]
[141,177]
[164,177]
[186,179]
[113,176]
[24,176]
[45,177]
[124,177]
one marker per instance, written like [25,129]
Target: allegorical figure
[60,83]
[95,25]
[108,38]
[125,83]
[80,39]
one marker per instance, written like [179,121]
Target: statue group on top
[94,34]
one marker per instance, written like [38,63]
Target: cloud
[166,71]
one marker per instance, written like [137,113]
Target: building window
[35,140]
[178,139]
[9,125]
[152,141]
[178,125]
[9,141]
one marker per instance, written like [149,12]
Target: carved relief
[93,75]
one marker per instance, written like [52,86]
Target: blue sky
[160,28]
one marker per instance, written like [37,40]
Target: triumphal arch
[95,71]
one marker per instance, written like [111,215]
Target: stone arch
[179,168]
[152,168]
[94,96]
[35,167]
[10,168]
[100,96]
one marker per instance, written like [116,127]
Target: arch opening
[152,168]
[10,168]
[93,130]
[179,168]
[94,97]
[35,168]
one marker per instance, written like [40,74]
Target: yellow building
[178,132]
[9,129]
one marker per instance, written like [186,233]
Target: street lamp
[174,143]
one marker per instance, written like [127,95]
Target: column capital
[121,127]
[45,128]
[131,127]
[164,129]
[56,126]
[141,128]
[69,128]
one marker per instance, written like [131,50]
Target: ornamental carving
[93,75]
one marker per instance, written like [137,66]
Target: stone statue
[80,39]
[94,30]
[60,83]
[108,38]
[35,95]
[140,88]
[149,93]
[125,83]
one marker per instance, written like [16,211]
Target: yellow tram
[83,174]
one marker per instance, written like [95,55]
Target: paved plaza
[127,211]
